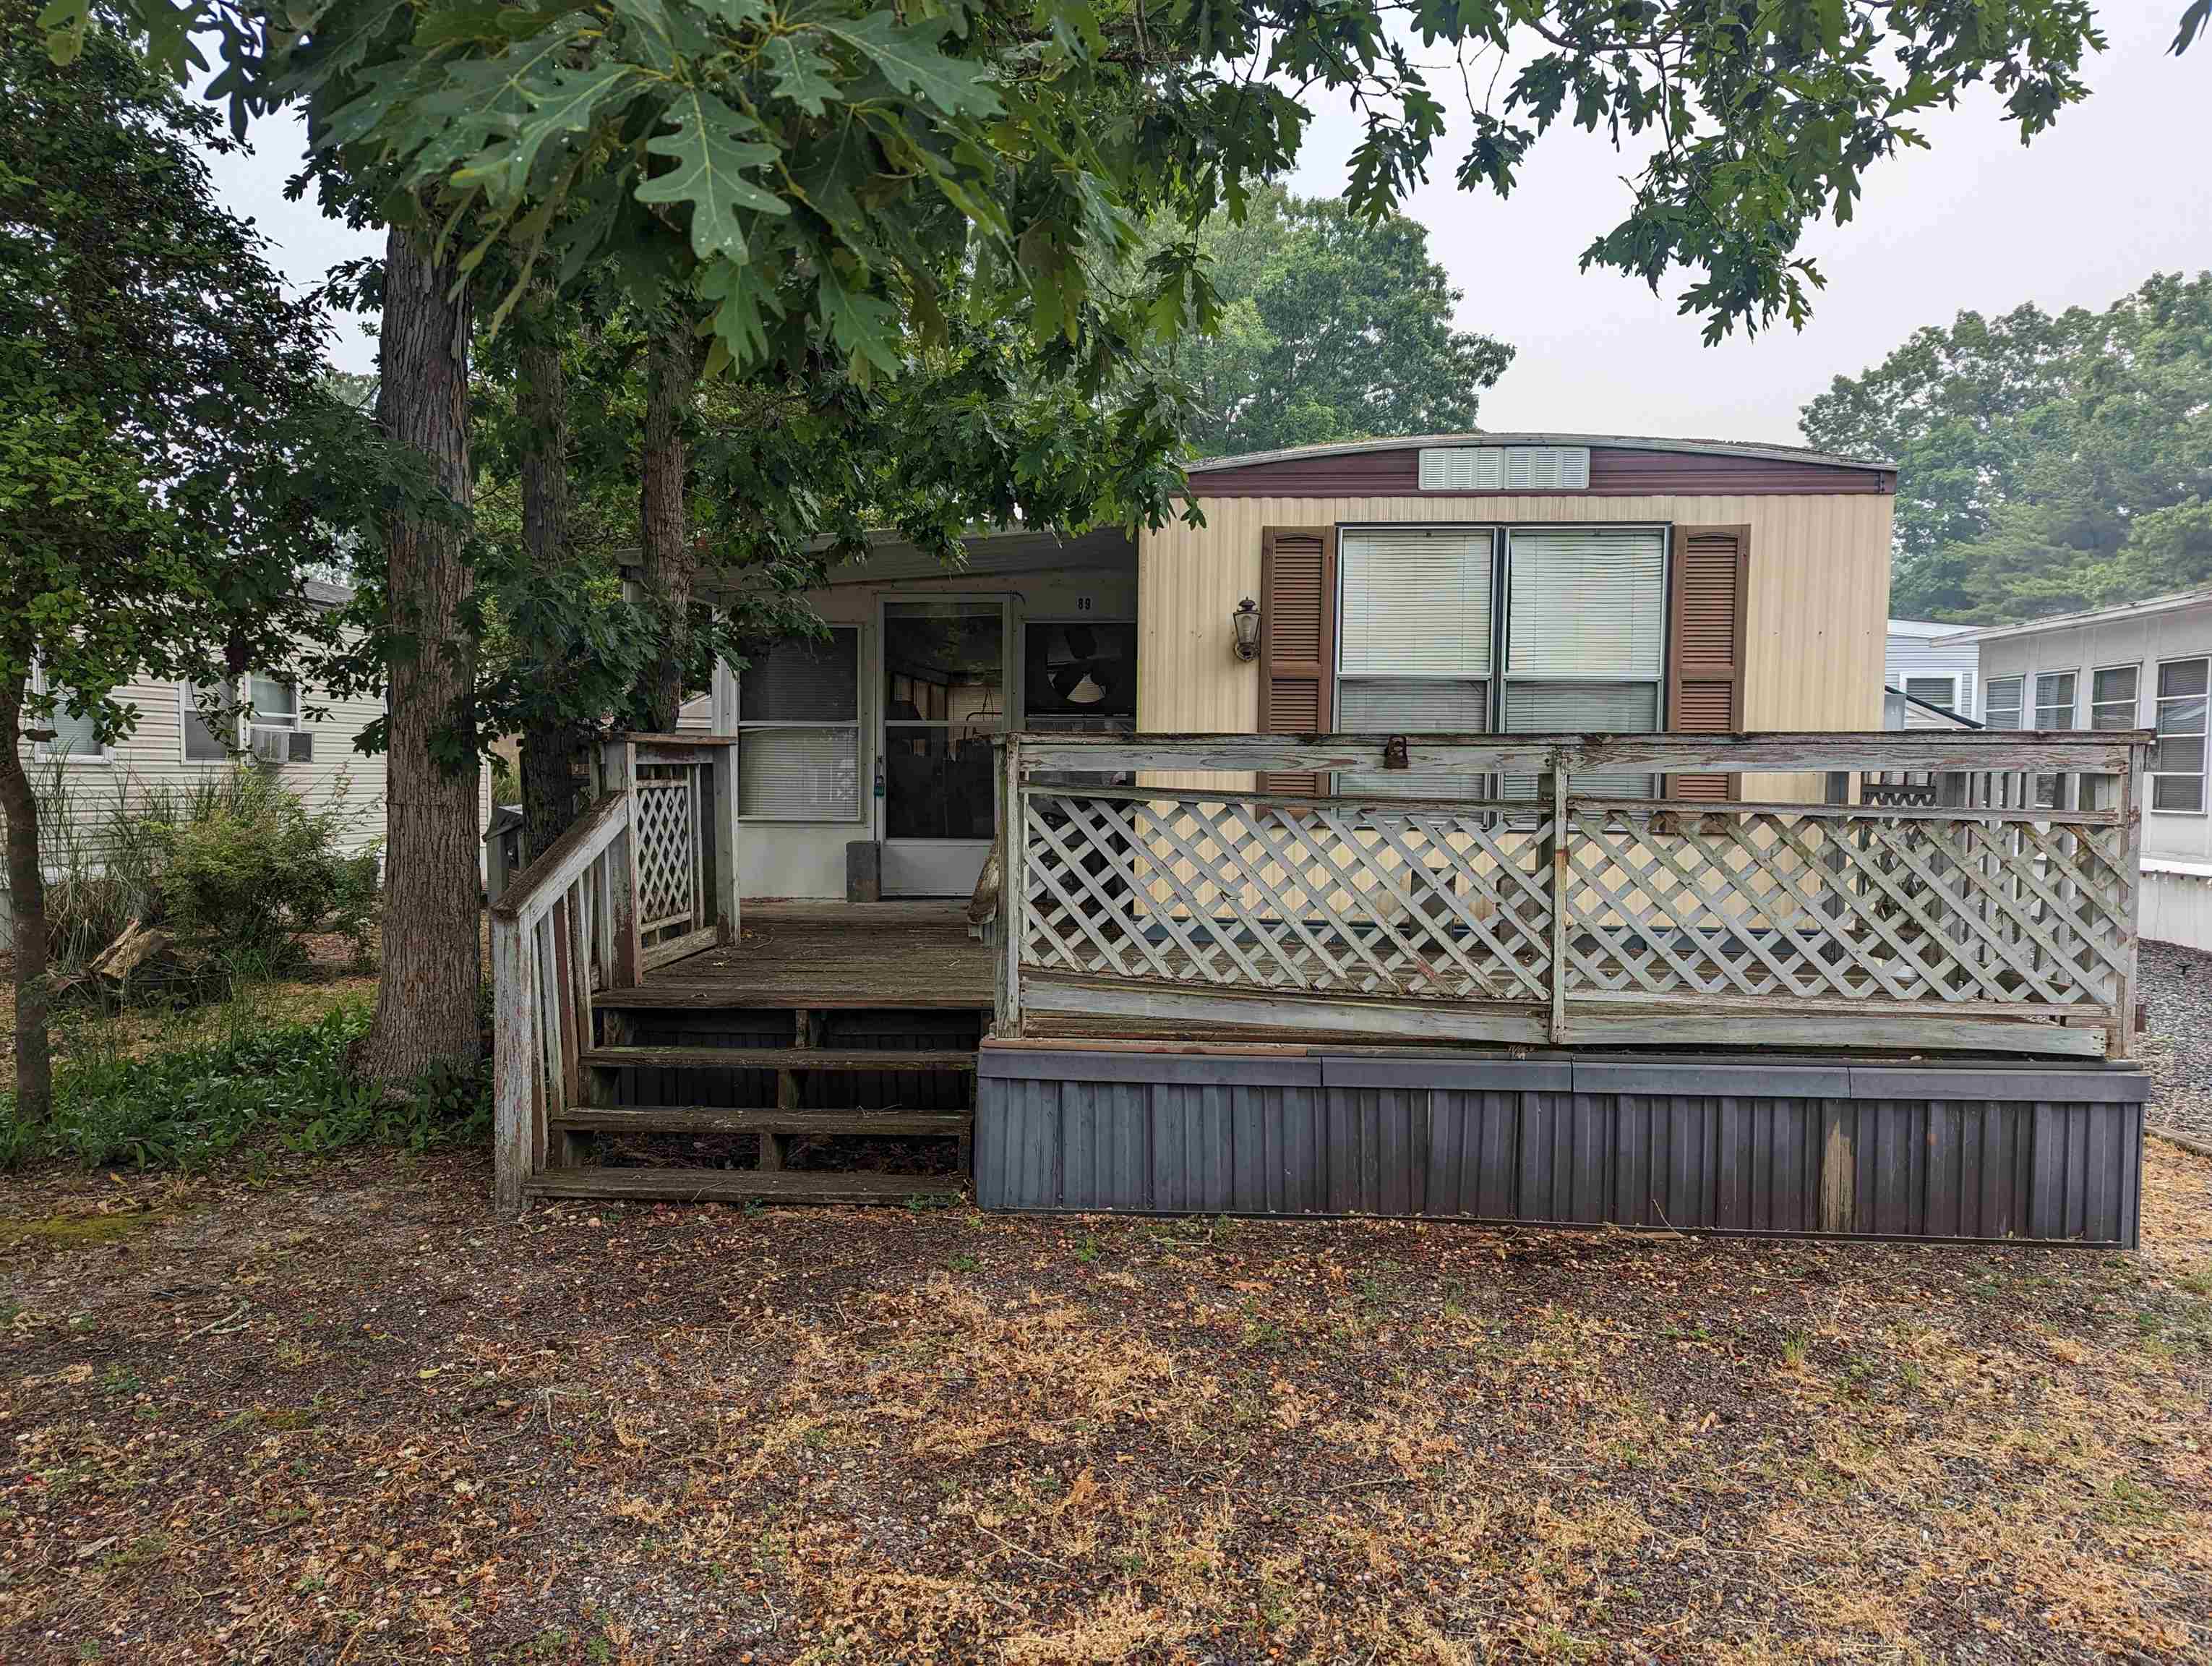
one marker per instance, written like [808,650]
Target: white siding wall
[2184,633]
[1906,656]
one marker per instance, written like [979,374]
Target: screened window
[1939,692]
[2000,702]
[1585,638]
[1416,624]
[2176,761]
[75,739]
[799,730]
[2113,697]
[207,743]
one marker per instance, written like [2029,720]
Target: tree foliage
[1332,326]
[2043,463]
[162,420]
[811,170]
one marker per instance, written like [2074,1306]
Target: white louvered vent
[1505,468]
[1417,602]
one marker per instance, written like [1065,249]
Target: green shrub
[284,1083]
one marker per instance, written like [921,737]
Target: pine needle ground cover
[333,1412]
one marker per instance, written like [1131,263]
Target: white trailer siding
[1917,656]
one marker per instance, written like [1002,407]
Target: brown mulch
[345,1415]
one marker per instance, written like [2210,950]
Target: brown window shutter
[1705,644]
[1297,640]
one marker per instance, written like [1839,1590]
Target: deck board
[829,955]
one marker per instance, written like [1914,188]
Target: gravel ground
[2177,982]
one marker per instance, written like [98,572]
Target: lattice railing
[1957,913]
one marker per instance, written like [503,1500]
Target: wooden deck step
[742,1185]
[776,1058]
[719,1119]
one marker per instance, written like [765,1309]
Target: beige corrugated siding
[1819,598]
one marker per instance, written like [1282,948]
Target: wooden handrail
[570,853]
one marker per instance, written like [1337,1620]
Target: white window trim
[2203,775]
[44,752]
[862,775]
[2020,705]
[1909,677]
[2074,704]
[2095,671]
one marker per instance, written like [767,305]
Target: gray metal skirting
[2042,1151]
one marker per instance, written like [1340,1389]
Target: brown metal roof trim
[1615,471]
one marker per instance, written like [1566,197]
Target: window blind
[2001,704]
[800,773]
[203,744]
[1931,690]
[1579,707]
[1411,705]
[1586,602]
[1417,603]
[74,737]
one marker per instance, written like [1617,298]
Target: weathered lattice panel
[1443,902]
[667,847]
[1876,902]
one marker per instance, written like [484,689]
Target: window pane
[1417,603]
[1596,707]
[2182,716]
[2181,755]
[202,744]
[2177,792]
[2054,699]
[1079,672]
[2114,685]
[1932,690]
[2181,676]
[799,774]
[801,681]
[74,737]
[273,700]
[1587,602]
[938,785]
[2002,710]
[1411,705]
[944,662]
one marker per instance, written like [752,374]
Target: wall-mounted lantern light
[1246,623]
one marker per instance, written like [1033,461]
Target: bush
[286,1083]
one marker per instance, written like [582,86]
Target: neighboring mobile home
[2141,665]
[301,733]
[1934,672]
[1471,582]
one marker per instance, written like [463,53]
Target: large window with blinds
[798,730]
[1482,629]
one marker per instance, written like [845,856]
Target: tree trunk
[426,999]
[27,889]
[668,559]
[548,747]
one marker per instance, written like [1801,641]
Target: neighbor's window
[75,739]
[799,730]
[206,743]
[1415,644]
[276,701]
[2001,704]
[1585,638]
[2176,761]
[1939,692]
[2112,698]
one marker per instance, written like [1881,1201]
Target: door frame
[927,867]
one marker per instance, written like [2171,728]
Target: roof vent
[1505,468]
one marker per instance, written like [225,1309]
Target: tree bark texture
[426,998]
[549,748]
[27,890]
[667,559]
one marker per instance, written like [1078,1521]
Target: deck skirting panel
[2039,1152]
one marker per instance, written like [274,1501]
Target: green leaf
[907,54]
[795,64]
[711,160]
[865,325]
[568,108]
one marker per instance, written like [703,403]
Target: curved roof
[1481,437]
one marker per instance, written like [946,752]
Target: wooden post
[1553,786]
[626,947]
[1013,820]
[513,1049]
[2122,1042]
[726,905]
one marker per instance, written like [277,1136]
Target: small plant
[1796,1346]
[1088,1251]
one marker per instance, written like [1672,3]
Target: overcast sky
[2119,190]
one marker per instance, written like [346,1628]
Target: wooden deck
[828,956]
